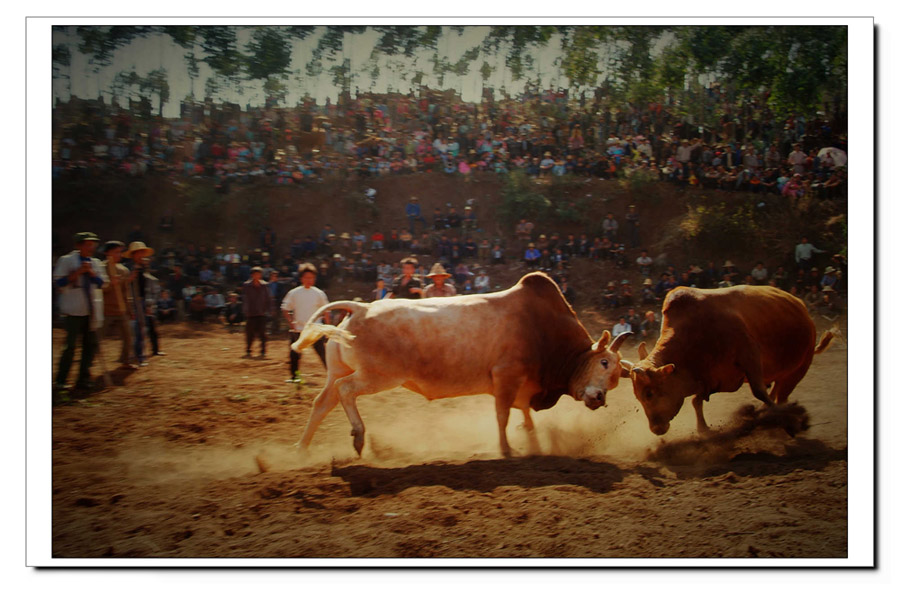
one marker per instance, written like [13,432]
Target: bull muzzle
[659,428]
[594,401]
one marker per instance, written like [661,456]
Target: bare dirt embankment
[166,464]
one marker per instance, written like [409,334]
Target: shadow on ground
[486,475]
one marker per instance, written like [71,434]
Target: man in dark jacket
[257,303]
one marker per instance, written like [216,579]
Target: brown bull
[715,340]
[525,346]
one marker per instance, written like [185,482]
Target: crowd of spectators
[545,135]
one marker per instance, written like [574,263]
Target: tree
[62,57]
[157,83]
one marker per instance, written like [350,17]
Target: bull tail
[826,340]
[312,331]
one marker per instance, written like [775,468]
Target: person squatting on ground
[79,275]
[298,306]
[256,308]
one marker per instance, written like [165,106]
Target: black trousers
[319,345]
[151,333]
[77,327]
[256,327]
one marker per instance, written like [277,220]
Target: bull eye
[604,363]
[648,393]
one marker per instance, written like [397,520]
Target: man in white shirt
[78,275]
[298,306]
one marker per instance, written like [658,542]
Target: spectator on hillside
[803,253]
[166,309]
[650,327]
[611,227]
[215,303]
[532,256]
[234,310]
[414,214]
[759,274]
[439,286]
[621,326]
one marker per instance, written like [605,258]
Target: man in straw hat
[118,309]
[79,275]
[298,306]
[439,287]
[137,252]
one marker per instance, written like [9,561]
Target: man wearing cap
[440,287]
[117,300]
[257,303]
[79,275]
[407,285]
[137,252]
[298,306]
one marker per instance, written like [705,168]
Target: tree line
[796,69]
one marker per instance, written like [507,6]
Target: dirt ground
[167,463]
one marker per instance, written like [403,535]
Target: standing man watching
[803,254]
[256,308]
[78,275]
[137,252]
[413,214]
[407,285]
[298,306]
[117,301]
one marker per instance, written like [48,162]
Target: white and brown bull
[715,340]
[525,346]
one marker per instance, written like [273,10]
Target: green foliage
[219,44]
[268,53]
[732,226]
[204,203]
[521,200]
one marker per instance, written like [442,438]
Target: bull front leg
[697,402]
[506,387]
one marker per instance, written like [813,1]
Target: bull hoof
[358,441]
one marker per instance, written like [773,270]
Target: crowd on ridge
[545,135]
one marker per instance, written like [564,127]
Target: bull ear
[601,344]
[667,369]
[626,367]
[642,350]
[614,347]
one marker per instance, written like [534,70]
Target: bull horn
[626,367]
[642,351]
[618,341]
[604,340]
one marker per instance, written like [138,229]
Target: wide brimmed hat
[112,244]
[86,237]
[136,246]
[437,270]
[728,264]
[648,282]
[827,289]
[828,269]
[345,236]
[696,269]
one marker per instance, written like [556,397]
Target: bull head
[659,390]
[600,372]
